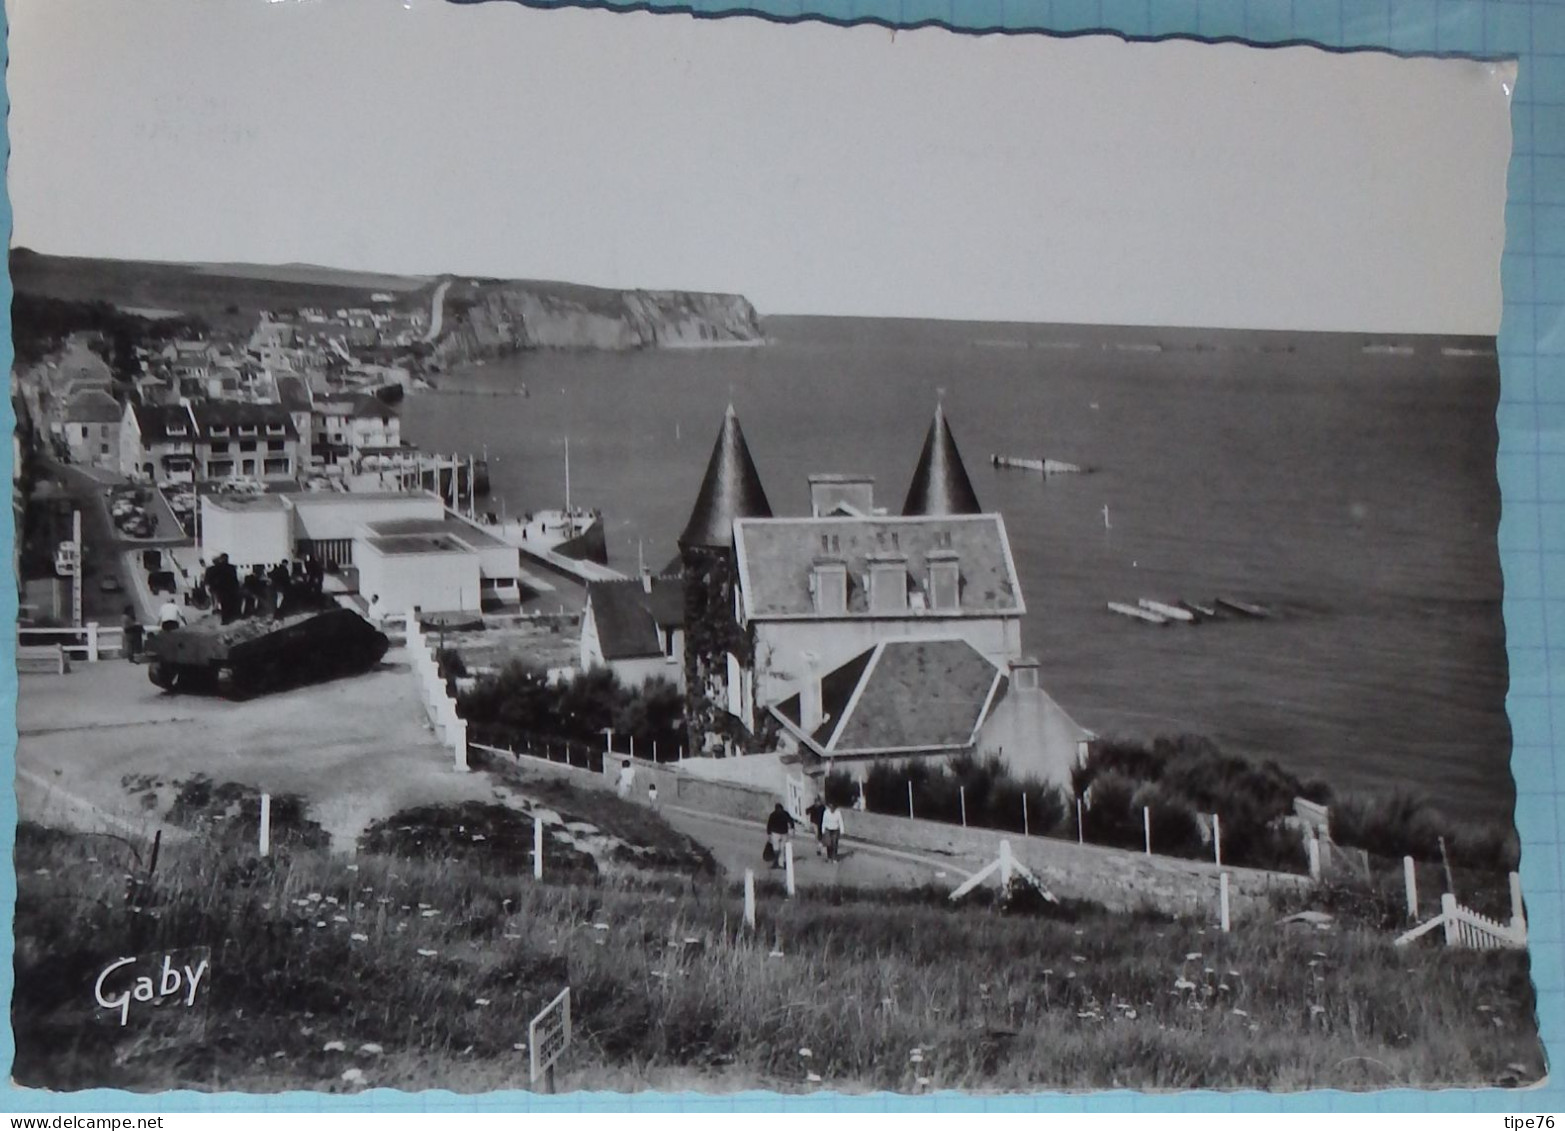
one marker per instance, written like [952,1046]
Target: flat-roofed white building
[429,572]
[251,529]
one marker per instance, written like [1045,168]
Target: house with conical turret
[849,634]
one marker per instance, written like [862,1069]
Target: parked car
[110,583]
[162,581]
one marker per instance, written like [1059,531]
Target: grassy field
[421,970]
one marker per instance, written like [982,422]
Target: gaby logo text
[119,985]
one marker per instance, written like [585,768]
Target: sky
[817,170]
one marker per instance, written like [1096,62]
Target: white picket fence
[1466,928]
[438,703]
[88,644]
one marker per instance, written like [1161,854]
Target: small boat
[1136,613]
[1167,612]
[1205,612]
[1244,607]
[1047,466]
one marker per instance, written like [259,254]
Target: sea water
[1347,482]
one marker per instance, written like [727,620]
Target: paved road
[736,845]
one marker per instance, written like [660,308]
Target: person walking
[832,828]
[134,634]
[815,813]
[627,778]
[778,826]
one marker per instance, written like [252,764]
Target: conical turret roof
[730,490]
[940,482]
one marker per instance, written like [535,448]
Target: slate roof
[777,557]
[731,489]
[153,420]
[940,484]
[293,394]
[904,696]
[455,528]
[630,621]
[93,407]
[232,414]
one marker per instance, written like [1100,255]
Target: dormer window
[274,429]
[829,585]
[888,584]
[247,429]
[219,429]
[945,582]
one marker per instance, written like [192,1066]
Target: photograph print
[581,551]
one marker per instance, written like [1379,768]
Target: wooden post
[1445,860]
[1081,836]
[1448,913]
[654,750]
[1222,901]
[749,898]
[157,843]
[910,800]
[1410,882]
[1518,917]
[1314,857]
[1005,865]
[961,798]
[92,643]
[459,743]
[1025,830]
[1217,839]
[266,824]
[537,848]
[1146,826]
[632,746]
[788,867]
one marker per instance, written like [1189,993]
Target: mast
[567,475]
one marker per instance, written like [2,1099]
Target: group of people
[825,817]
[287,586]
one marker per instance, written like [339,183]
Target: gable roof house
[91,423]
[158,443]
[245,439]
[872,635]
[635,628]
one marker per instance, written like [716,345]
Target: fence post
[749,898]
[1025,830]
[632,746]
[1448,913]
[1410,882]
[1222,901]
[1217,839]
[1005,865]
[1518,919]
[1314,857]
[910,799]
[266,824]
[961,798]
[459,744]
[1081,836]
[788,867]
[537,848]
[1146,826]
[92,642]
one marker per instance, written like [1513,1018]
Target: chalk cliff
[493,319]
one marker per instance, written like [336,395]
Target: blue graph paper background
[1531,536]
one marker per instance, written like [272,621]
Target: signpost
[548,1036]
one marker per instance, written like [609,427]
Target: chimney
[1024,673]
[838,494]
[810,708]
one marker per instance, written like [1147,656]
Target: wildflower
[1130,1015]
[1233,973]
[481,1001]
[334,1046]
[370,1048]
[1184,984]
[1085,1013]
[353,1076]
[314,897]
[279,1055]
[339,918]
[1254,1028]
[812,1077]
[1486,1009]
[775,954]
[1192,956]
[357,937]
[1046,973]
[1239,1013]
[1223,986]
[430,913]
[421,906]
[353,867]
[921,1081]
[332,899]
[519,1047]
[1316,1010]
[1070,976]
[478,836]
[886,1003]
[916,1056]
[266,907]
[1078,958]
[1320,954]
[511,935]
[320,922]
[600,926]
[428,953]
[805,1054]
[1207,970]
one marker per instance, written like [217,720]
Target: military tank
[258,655]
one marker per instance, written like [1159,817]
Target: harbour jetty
[1046,466]
[1149,611]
